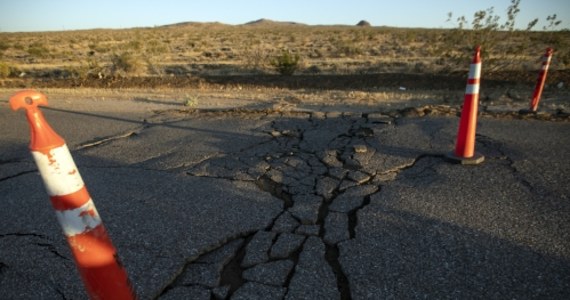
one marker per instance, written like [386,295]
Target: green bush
[286,63]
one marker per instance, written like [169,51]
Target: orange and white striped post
[541,80]
[95,256]
[465,146]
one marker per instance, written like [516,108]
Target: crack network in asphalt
[295,172]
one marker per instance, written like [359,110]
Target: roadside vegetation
[267,47]
[504,46]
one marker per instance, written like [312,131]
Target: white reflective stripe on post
[472,89]
[475,71]
[79,220]
[58,170]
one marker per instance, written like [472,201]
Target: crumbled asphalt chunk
[360,148]
[326,186]
[285,223]
[379,118]
[333,114]
[271,273]
[256,167]
[275,175]
[364,157]
[306,208]
[329,158]
[337,173]
[258,291]
[318,115]
[358,177]
[383,177]
[297,163]
[256,251]
[313,277]
[352,198]
[286,244]
[187,292]
[223,254]
[336,228]
[352,164]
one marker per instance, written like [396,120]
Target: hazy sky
[44,15]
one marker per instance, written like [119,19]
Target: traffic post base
[476,159]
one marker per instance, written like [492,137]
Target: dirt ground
[501,93]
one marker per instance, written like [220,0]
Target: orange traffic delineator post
[540,82]
[465,147]
[95,256]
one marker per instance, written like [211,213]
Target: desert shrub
[314,70]
[348,49]
[38,50]
[90,68]
[99,48]
[4,46]
[255,57]
[134,45]
[155,47]
[5,70]
[126,63]
[286,63]
[18,46]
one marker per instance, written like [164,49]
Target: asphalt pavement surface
[259,204]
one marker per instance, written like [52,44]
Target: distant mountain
[267,22]
[258,23]
[195,24]
[363,23]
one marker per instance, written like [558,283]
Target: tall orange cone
[540,81]
[95,256]
[465,147]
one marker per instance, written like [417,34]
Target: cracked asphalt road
[295,205]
